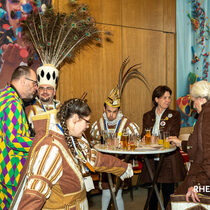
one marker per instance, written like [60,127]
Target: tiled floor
[138,202]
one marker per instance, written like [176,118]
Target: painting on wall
[14,51]
[192,52]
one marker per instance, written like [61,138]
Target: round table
[141,150]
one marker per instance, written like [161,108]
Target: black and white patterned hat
[47,75]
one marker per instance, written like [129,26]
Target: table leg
[154,182]
[111,187]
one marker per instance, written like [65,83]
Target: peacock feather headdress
[58,36]
[115,95]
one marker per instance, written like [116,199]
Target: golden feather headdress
[114,96]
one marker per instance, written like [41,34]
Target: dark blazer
[198,149]
[173,169]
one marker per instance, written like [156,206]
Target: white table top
[142,149]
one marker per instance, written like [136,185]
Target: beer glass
[124,140]
[148,136]
[132,142]
[166,143]
[160,138]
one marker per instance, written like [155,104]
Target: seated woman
[56,167]
[164,119]
[197,146]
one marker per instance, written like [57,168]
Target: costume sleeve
[94,132]
[107,163]
[101,162]
[45,169]
[133,128]
[15,129]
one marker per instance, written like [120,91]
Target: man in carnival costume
[14,131]
[61,37]
[112,120]
[46,92]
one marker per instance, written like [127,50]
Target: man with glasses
[45,95]
[15,140]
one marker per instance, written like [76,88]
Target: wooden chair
[184,135]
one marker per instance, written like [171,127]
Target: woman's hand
[193,194]
[128,173]
[175,141]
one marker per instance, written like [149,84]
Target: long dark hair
[159,92]
[67,110]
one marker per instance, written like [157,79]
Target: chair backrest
[185,133]
[184,136]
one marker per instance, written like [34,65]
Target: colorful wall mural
[13,49]
[193,48]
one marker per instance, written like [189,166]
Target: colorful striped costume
[38,107]
[118,125]
[14,143]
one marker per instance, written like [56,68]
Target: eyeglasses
[87,121]
[46,88]
[35,83]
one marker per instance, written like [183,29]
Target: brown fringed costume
[54,178]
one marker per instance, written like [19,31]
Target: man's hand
[193,194]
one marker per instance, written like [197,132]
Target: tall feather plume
[58,36]
[130,73]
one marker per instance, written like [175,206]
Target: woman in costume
[57,167]
[164,119]
[197,146]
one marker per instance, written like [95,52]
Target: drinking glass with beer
[132,142]
[124,140]
[160,138]
[166,143]
[148,136]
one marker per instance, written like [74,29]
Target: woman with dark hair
[57,168]
[161,118]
